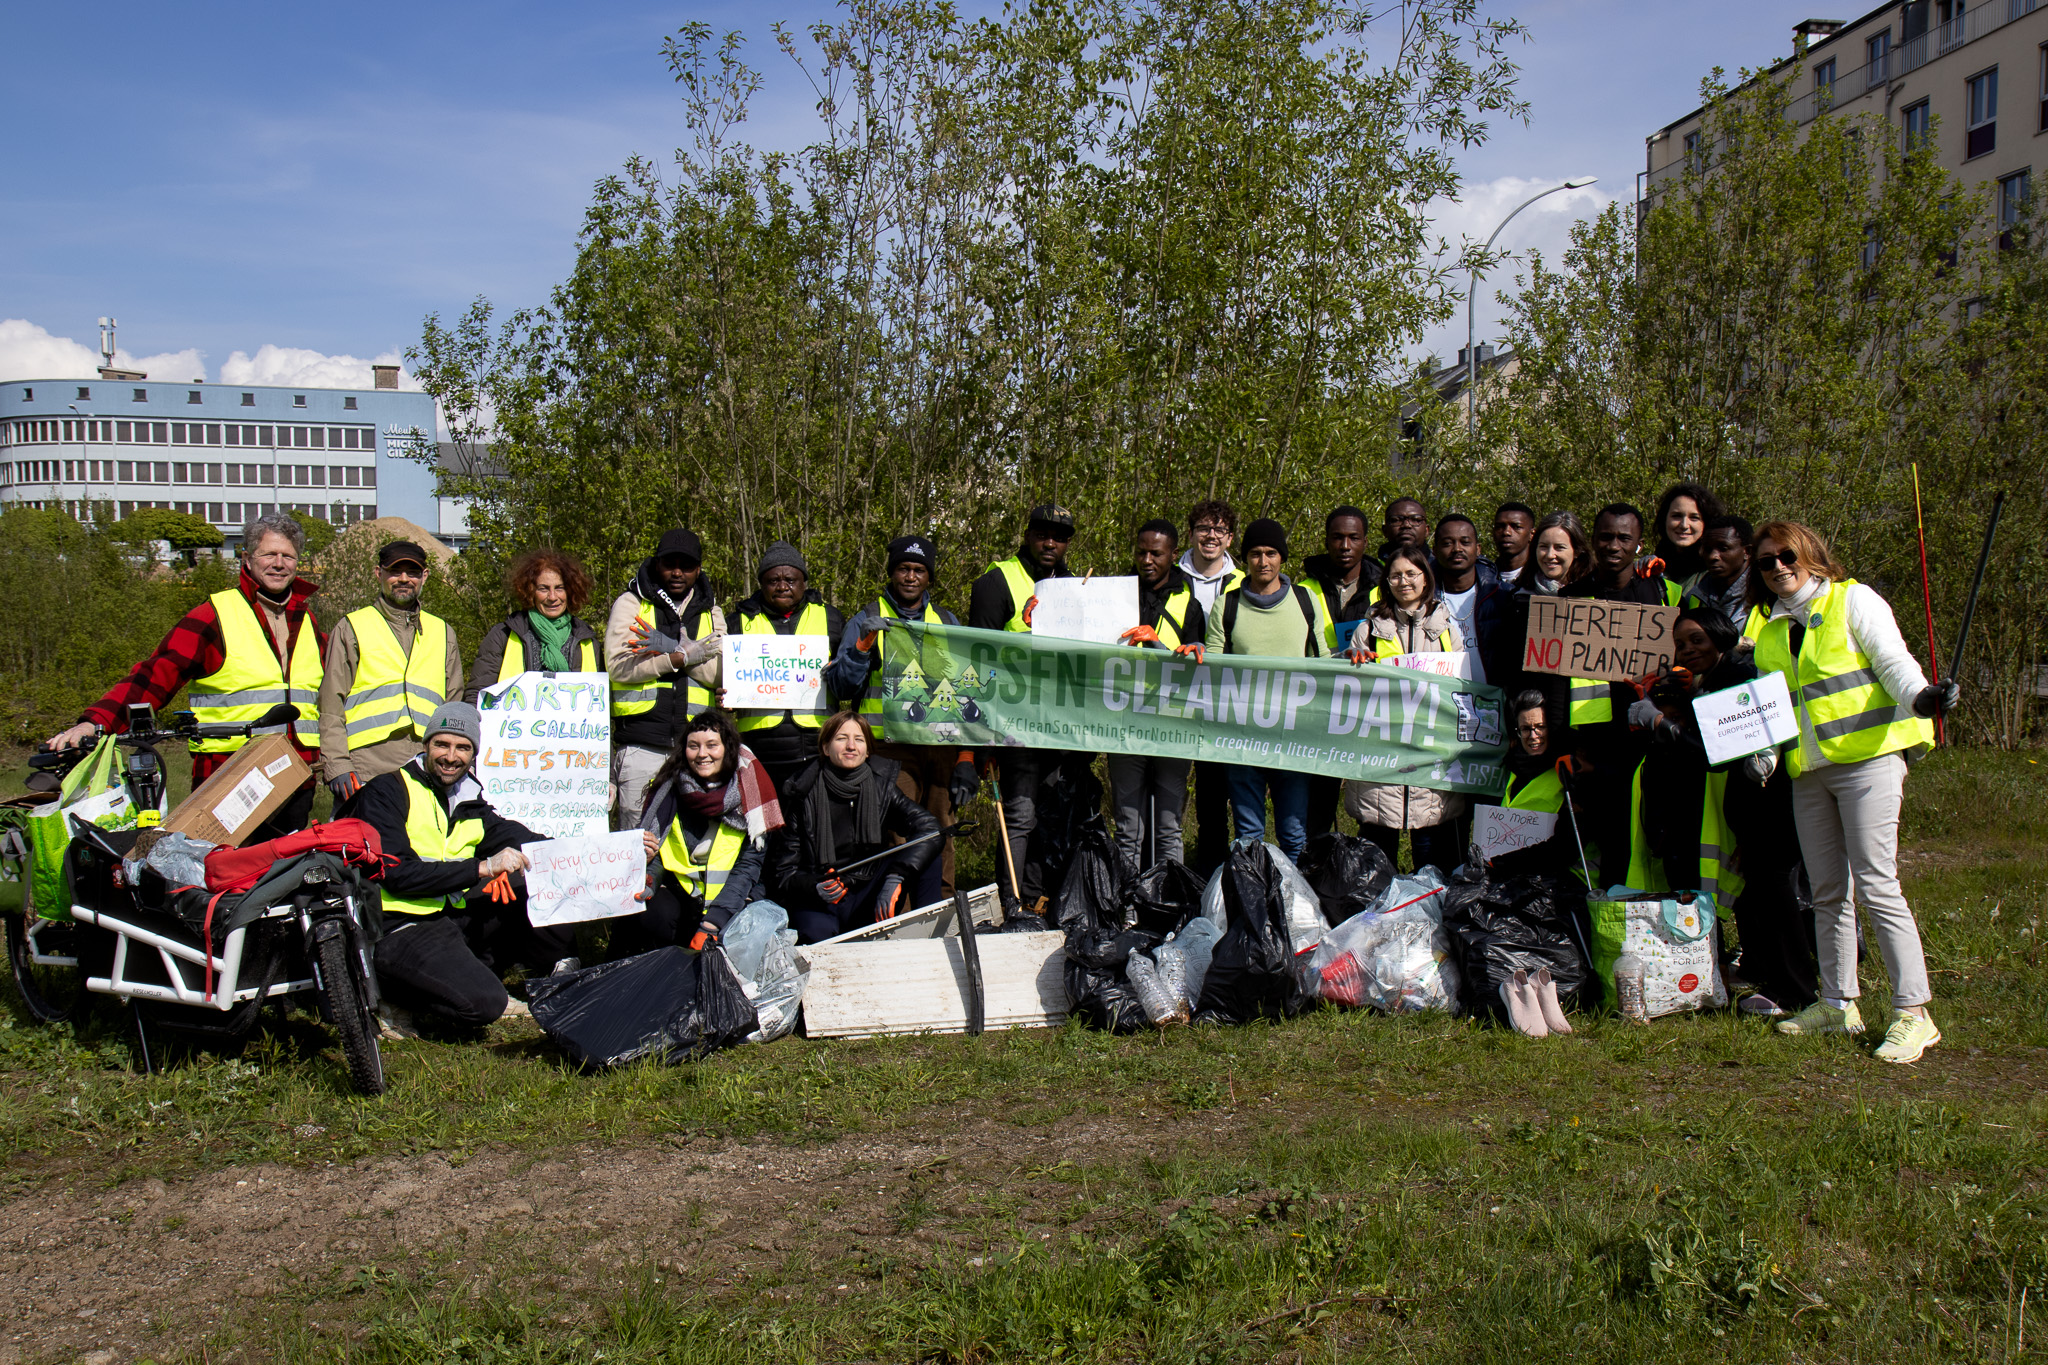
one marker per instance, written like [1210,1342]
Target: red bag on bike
[353,841]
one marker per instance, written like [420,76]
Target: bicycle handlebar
[184,726]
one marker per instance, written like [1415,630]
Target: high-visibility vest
[871,698]
[1391,649]
[582,660]
[1840,700]
[251,680]
[433,840]
[1716,846]
[1753,627]
[702,880]
[640,698]
[394,692]
[1592,699]
[1543,792]
[1022,590]
[1173,617]
[1331,644]
[809,621]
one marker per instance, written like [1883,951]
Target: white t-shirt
[1460,604]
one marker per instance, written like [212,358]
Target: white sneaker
[515,1008]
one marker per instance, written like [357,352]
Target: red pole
[1927,594]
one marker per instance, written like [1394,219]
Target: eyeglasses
[1532,729]
[1409,519]
[1788,558]
[1211,529]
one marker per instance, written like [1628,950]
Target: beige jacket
[1381,803]
[343,653]
[627,670]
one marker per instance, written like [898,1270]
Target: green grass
[1342,1186]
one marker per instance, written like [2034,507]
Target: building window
[1918,123]
[2013,193]
[1693,160]
[1879,49]
[298,400]
[192,396]
[248,400]
[349,403]
[142,395]
[1983,108]
[2044,87]
[1824,83]
[28,395]
[84,394]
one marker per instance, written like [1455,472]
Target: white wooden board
[862,989]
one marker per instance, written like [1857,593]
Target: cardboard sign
[1577,637]
[774,672]
[1096,609]
[572,880]
[546,759]
[1747,718]
[1498,830]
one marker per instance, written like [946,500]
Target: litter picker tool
[1926,593]
[970,958]
[1564,774]
[1955,658]
[942,832]
[1014,905]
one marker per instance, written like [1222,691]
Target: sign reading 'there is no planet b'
[1578,637]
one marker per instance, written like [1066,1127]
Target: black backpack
[1301,598]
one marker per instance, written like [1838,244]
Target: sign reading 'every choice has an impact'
[954,685]
[1579,637]
[546,759]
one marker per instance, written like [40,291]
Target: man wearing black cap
[1002,600]
[936,776]
[784,603]
[390,666]
[664,630]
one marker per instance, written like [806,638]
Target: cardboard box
[246,790]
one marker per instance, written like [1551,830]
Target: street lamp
[1472,289]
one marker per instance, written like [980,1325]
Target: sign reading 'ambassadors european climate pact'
[954,685]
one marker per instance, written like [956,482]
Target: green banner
[989,688]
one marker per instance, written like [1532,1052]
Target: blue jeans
[1248,788]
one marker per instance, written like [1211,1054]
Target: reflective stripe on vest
[871,697]
[1592,702]
[703,882]
[1022,590]
[433,840]
[809,621]
[393,692]
[639,699]
[1173,617]
[1840,700]
[251,681]
[514,661]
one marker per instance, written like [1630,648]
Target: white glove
[1759,767]
[1644,713]
[504,860]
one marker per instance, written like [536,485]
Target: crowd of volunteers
[738,806]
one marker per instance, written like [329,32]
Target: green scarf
[553,639]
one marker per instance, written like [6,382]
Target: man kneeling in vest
[446,943]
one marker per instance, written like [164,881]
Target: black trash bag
[1348,872]
[1092,890]
[1162,898]
[1098,992]
[670,1003]
[1525,923]
[1069,803]
[1251,974]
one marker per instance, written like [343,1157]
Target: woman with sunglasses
[1864,706]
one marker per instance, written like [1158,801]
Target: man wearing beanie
[1269,615]
[1002,600]
[936,776]
[785,603]
[661,647]
[452,924]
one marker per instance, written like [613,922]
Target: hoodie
[678,620]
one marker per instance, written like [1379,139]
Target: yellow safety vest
[706,880]
[871,699]
[1173,617]
[1754,625]
[1022,590]
[251,680]
[514,661]
[1391,649]
[1840,700]
[1592,700]
[433,840]
[809,621]
[640,698]
[1717,845]
[1331,644]
[394,693]
[1543,792]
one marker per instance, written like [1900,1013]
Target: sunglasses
[1788,558]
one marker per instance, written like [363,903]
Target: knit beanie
[782,554]
[457,718]
[1267,533]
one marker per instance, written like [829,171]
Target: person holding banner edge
[544,634]
[1864,707]
[1149,791]
[784,603]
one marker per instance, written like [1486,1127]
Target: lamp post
[1472,290]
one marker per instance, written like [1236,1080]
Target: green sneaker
[1908,1037]
[1821,1017]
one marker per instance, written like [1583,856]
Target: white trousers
[1848,819]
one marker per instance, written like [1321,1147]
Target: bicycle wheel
[348,1006]
[43,956]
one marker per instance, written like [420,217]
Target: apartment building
[1968,80]
[223,452]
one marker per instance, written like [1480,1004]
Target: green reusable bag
[92,791]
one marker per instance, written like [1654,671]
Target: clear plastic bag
[762,949]
[1397,959]
[1183,960]
[1411,969]
[1302,909]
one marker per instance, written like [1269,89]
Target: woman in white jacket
[1864,707]
[1409,618]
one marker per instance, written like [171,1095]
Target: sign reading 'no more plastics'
[1579,637]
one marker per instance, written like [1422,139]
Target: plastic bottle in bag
[1628,988]
[1161,1006]
[1183,960]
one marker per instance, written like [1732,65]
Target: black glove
[966,784]
[1937,699]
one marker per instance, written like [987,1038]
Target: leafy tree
[183,530]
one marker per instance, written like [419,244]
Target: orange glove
[1029,607]
[887,898]
[866,643]
[499,889]
[1191,650]
[1138,635]
[1359,655]
[1650,568]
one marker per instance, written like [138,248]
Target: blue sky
[313,179]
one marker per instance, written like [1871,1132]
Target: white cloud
[285,365]
[1545,226]
[29,352]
